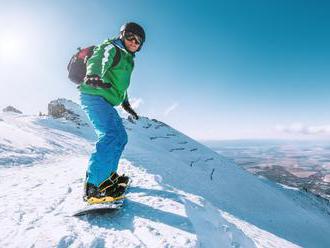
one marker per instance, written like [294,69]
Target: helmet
[134,28]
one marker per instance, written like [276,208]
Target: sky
[211,69]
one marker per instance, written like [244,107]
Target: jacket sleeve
[101,59]
[126,99]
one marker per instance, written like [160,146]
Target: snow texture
[182,193]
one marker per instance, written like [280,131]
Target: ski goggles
[133,37]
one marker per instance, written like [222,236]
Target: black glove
[129,109]
[96,81]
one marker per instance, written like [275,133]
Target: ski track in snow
[38,200]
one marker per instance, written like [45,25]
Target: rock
[12,109]
[69,110]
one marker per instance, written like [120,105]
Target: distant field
[301,164]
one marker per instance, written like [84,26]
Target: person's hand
[135,115]
[129,109]
[96,81]
[132,113]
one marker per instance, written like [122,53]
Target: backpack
[78,62]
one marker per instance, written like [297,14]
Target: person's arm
[98,63]
[127,107]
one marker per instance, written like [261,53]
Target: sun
[11,47]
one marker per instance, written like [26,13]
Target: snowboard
[101,208]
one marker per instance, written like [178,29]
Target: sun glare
[11,47]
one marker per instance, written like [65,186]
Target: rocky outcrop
[67,109]
[12,109]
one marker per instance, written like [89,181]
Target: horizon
[204,141]
[223,70]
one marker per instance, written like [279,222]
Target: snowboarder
[105,86]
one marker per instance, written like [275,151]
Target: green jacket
[118,76]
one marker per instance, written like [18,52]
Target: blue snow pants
[112,137]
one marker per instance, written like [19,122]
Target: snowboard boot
[115,186]
[123,180]
[111,189]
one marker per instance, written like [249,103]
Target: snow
[182,194]
[288,187]
[327,178]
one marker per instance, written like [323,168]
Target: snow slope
[182,195]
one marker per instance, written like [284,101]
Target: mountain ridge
[179,186]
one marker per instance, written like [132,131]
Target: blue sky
[211,69]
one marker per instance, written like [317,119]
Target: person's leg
[112,138]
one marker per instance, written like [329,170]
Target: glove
[129,109]
[96,81]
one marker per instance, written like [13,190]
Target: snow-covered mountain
[182,194]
